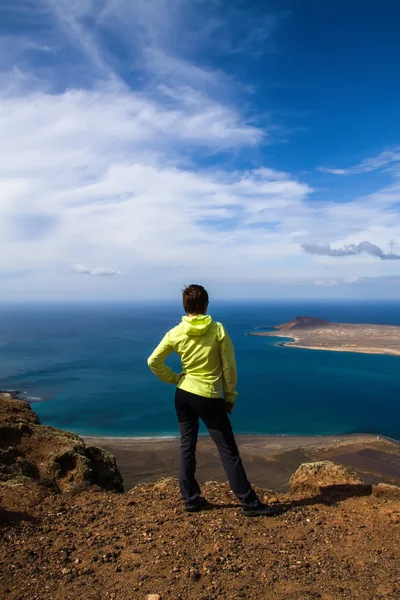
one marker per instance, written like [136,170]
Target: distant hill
[304,323]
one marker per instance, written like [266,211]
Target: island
[318,334]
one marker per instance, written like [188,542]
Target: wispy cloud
[344,281]
[384,159]
[68,17]
[96,271]
[364,282]
[115,174]
[173,38]
[128,146]
[350,250]
[326,282]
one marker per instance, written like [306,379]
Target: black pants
[189,408]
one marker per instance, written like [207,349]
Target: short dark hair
[195,299]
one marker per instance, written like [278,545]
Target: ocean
[84,369]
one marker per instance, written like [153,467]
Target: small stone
[65,571]
[153,597]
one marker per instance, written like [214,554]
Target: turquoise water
[85,368]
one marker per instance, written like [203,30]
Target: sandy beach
[269,460]
[359,349]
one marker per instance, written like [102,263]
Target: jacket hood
[197,325]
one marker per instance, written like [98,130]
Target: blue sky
[250,146]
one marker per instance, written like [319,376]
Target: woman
[205,390]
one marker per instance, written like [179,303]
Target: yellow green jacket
[207,356]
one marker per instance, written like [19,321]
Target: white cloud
[96,271]
[106,173]
[333,171]
[353,280]
[365,282]
[326,283]
[384,159]
[103,173]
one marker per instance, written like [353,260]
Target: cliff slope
[31,452]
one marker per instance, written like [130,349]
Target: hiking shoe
[201,504]
[262,510]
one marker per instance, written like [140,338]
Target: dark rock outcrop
[304,323]
[62,461]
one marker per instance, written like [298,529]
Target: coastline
[381,351]
[297,343]
[250,437]
[269,460]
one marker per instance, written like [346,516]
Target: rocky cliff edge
[334,537]
[59,460]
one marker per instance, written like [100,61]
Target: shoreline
[243,436]
[348,348]
[358,350]
[99,438]
[374,351]
[309,439]
[270,460]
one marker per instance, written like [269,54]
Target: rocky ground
[126,546]
[335,537]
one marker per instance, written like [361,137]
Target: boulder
[60,460]
[316,476]
[386,490]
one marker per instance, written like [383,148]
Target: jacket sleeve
[228,362]
[157,364]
